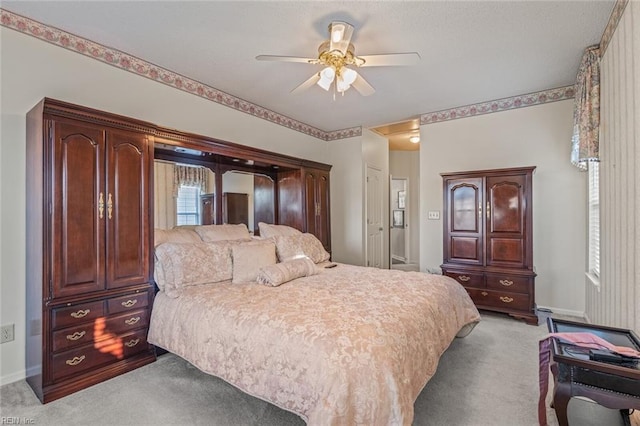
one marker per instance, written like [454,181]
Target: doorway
[399,239]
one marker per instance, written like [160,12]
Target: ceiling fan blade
[287,59]
[390,59]
[308,83]
[340,34]
[362,86]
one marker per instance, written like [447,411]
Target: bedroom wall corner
[533,136]
[345,155]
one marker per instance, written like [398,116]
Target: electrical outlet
[433,215]
[6,333]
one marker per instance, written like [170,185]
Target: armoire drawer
[499,299]
[86,357]
[98,329]
[467,279]
[77,314]
[508,283]
[128,302]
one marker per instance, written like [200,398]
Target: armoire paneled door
[89,287]
[317,205]
[488,238]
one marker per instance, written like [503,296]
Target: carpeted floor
[488,378]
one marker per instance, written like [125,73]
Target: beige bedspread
[348,346]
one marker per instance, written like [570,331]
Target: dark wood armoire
[304,202]
[88,271]
[488,238]
[90,232]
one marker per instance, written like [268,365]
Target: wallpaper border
[162,75]
[159,74]
[612,24]
[504,104]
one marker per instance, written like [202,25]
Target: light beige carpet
[487,378]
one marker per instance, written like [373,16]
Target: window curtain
[586,112]
[189,176]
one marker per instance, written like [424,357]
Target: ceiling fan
[337,55]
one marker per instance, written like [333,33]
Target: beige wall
[32,69]
[350,158]
[534,136]
[616,300]
[406,164]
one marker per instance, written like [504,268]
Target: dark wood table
[610,385]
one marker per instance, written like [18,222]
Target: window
[594,218]
[188,205]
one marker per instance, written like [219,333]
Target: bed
[338,346]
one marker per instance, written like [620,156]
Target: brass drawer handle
[101,206]
[80,313]
[506,283]
[463,278]
[132,321]
[110,205]
[77,335]
[484,293]
[129,303]
[131,343]
[75,361]
[506,299]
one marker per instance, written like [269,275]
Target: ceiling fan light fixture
[326,78]
[341,85]
[337,31]
[348,75]
[414,139]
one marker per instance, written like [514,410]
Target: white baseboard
[568,312]
[13,377]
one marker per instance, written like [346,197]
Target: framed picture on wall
[398,218]
[401,200]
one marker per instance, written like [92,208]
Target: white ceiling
[471,51]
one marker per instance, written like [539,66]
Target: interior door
[375,218]
[78,209]
[127,208]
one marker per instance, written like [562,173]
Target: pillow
[280,273]
[294,246]
[175,235]
[248,258]
[270,230]
[223,232]
[180,265]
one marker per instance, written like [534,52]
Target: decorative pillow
[175,235]
[248,258]
[295,246]
[270,230]
[280,273]
[223,232]
[180,265]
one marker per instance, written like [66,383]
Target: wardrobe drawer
[127,321]
[128,302]
[508,283]
[77,314]
[73,336]
[467,279]
[499,299]
[135,342]
[86,357]
[102,352]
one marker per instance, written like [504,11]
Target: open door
[375,218]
